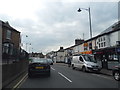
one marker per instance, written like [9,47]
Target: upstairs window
[101,39]
[101,44]
[8,34]
[104,44]
[104,38]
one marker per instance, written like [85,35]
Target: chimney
[78,41]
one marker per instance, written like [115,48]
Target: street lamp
[29,47]
[26,43]
[79,10]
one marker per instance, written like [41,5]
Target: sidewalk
[106,72]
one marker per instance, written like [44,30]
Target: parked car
[38,66]
[85,63]
[116,72]
[50,61]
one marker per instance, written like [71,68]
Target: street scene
[63,76]
[60,44]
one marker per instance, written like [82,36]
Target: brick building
[10,44]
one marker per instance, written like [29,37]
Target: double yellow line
[18,84]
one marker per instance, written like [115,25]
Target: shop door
[104,64]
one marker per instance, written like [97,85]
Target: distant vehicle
[50,61]
[38,66]
[85,63]
[116,72]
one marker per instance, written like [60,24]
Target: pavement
[106,72]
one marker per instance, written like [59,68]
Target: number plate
[39,67]
[95,69]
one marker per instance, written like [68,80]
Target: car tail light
[116,66]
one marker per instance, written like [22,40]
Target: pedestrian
[69,62]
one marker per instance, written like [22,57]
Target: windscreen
[90,58]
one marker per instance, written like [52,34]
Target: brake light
[116,66]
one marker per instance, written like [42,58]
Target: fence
[11,55]
[14,64]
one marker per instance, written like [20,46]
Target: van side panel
[75,61]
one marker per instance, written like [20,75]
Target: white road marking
[20,81]
[102,76]
[64,77]
[52,68]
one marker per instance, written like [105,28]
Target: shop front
[109,57]
[86,52]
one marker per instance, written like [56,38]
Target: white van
[85,63]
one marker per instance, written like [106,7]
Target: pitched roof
[109,29]
[6,24]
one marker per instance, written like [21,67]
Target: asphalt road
[63,76]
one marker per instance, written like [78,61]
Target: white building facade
[104,46]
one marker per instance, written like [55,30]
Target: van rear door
[81,62]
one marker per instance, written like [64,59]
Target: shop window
[113,57]
[118,43]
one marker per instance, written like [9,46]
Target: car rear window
[39,60]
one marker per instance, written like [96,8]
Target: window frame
[8,34]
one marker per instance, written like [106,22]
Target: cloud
[52,24]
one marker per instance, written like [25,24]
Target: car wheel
[83,69]
[117,76]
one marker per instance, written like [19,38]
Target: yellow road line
[19,82]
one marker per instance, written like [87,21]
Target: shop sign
[86,52]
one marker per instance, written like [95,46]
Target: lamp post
[26,43]
[79,10]
[29,47]
[21,44]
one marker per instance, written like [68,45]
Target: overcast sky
[50,24]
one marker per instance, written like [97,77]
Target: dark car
[50,61]
[116,72]
[38,66]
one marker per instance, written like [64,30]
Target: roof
[109,29]
[115,27]
[6,24]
